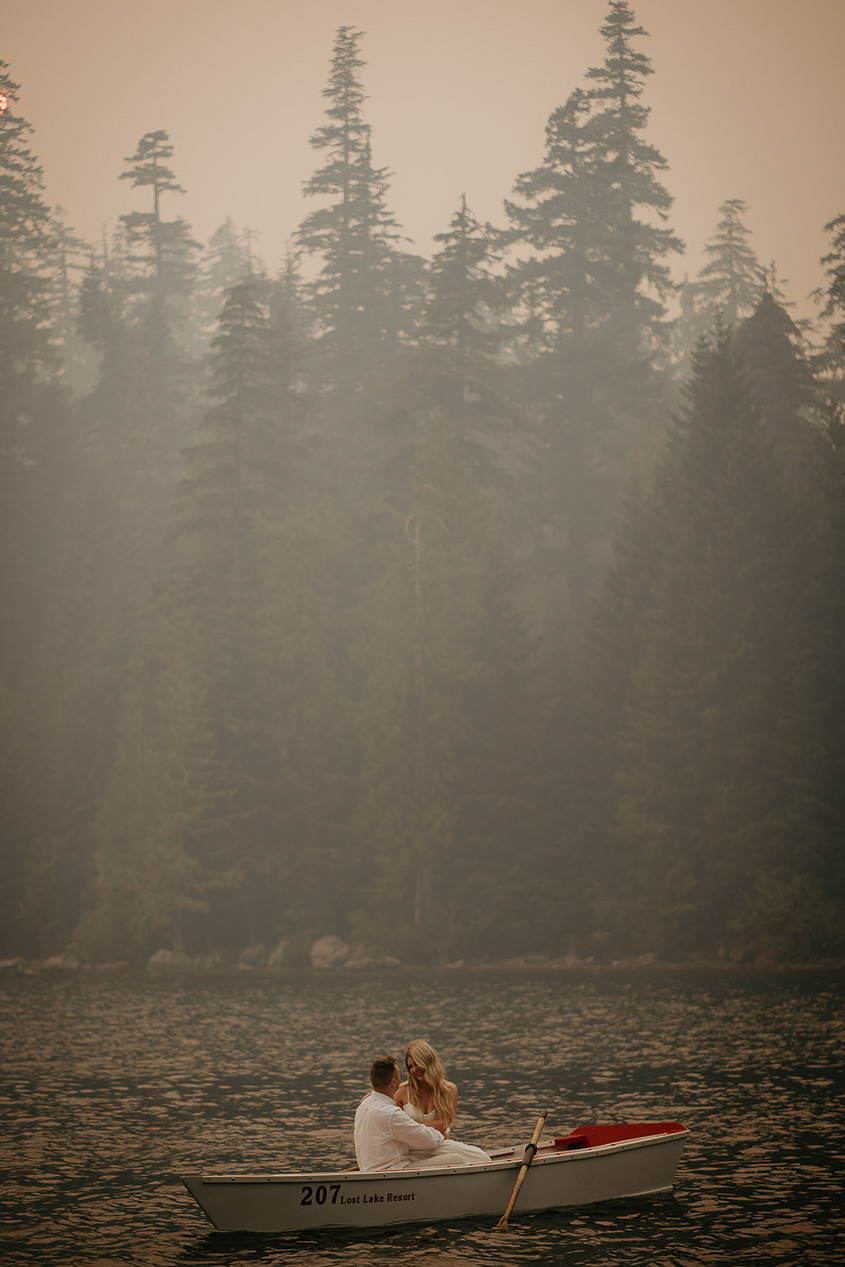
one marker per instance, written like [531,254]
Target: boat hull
[571,1172]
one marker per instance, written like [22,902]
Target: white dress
[450,1153]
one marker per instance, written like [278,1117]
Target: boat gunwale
[513,1161]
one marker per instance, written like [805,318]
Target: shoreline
[645,965]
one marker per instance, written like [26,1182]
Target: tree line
[474,606]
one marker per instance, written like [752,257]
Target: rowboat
[593,1163]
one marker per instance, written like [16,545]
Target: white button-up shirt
[384,1134]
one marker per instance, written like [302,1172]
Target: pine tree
[150,888]
[192,848]
[160,255]
[228,262]
[728,287]
[559,215]
[39,484]
[634,201]
[716,753]
[363,294]
[240,482]
[832,298]
[463,315]
[593,215]
[595,211]
[782,377]
[731,282]
[434,540]
[68,266]
[162,250]
[26,242]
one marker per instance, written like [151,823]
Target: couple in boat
[402,1125]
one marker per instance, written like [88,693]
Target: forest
[465,608]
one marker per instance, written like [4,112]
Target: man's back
[384,1135]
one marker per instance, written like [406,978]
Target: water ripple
[109,1088]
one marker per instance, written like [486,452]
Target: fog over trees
[470,606]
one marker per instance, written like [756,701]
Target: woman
[428,1097]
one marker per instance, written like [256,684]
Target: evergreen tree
[68,266]
[731,282]
[233,493]
[39,480]
[432,662]
[162,250]
[783,381]
[593,215]
[364,290]
[150,888]
[814,907]
[832,298]
[26,242]
[728,287]
[187,837]
[289,311]
[615,642]
[717,749]
[511,783]
[228,262]
[633,199]
[161,273]
[132,299]
[463,316]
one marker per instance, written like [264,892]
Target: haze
[471,601]
[746,99]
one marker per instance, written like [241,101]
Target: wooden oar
[523,1170]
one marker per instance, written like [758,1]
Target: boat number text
[331,1194]
[320,1194]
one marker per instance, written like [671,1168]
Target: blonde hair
[424,1055]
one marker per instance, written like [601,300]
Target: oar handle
[531,1149]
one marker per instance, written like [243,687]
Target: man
[384,1134]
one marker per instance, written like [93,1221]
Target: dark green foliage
[447,648]
[227,262]
[26,241]
[728,287]
[68,262]
[363,298]
[160,251]
[636,203]
[731,282]
[718,720]
[593,217]
[782,379]
[39,470]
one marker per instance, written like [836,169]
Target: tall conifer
[432,660]
[593,217]
[39,483]
[832,299]
[362,296]
[715,757]
[731,282]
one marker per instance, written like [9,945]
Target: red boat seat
[595,1136]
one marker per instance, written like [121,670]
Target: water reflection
[110,1088]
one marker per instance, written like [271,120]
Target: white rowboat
[594,1163]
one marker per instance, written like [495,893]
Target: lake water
[111,1086]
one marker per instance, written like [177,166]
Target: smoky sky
[747,101]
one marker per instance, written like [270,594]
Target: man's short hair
[382,1072]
